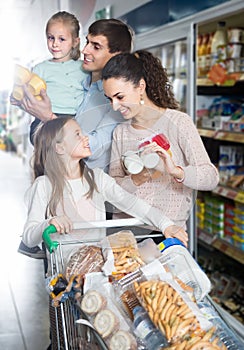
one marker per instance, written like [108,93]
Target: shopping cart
[70,327]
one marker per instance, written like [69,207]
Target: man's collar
[87,82]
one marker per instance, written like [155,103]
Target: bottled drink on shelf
[208,54]
[199,56]
[151,337]
[219,44]
[202,51]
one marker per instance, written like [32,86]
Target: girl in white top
[65,190]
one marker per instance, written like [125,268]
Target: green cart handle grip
[49,243]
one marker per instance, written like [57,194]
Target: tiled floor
[24,321]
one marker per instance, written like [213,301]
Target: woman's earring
[141,100]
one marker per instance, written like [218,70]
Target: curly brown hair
[142,64]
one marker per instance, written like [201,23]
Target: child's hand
[62,224]
[174,231]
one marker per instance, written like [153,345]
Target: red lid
[162,141]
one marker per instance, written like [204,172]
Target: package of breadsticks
[121,254]
[170,307]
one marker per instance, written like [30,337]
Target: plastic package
[84,260]
[224,332]
[181,264]
[121,254]
[105,316]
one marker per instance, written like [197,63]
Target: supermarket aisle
[23,299]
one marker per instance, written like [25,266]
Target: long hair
[47,162]
[70,20]
[119,35]
[142,64]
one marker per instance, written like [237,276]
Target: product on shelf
[231,159]
[219,43]
[221,55]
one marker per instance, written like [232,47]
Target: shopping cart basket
[70,329]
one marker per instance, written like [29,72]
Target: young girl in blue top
[63,72]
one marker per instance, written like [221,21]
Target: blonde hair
[70,20]
[47,162]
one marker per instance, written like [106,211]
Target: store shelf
[229,250]
[230,193]
[229,136]
[210,133]
[206,87]
[222,245]
[222,135]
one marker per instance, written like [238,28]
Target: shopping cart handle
[49,243]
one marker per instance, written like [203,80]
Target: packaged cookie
[106,318]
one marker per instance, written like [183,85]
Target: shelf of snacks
[206,86]
[222,135]
[222,245]
[210,133]
[230,250]
[229,136]
[230,193]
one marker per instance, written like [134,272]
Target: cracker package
[121,254]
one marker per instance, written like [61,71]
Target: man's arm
[40,109]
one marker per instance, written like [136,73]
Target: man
[106,38]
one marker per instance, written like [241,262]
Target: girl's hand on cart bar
[174,231]
[62,224]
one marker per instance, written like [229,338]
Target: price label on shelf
[205,237]
[229,193]
[240,197]
[229,250]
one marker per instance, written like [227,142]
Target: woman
[137,86]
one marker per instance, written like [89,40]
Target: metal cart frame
[71,325]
